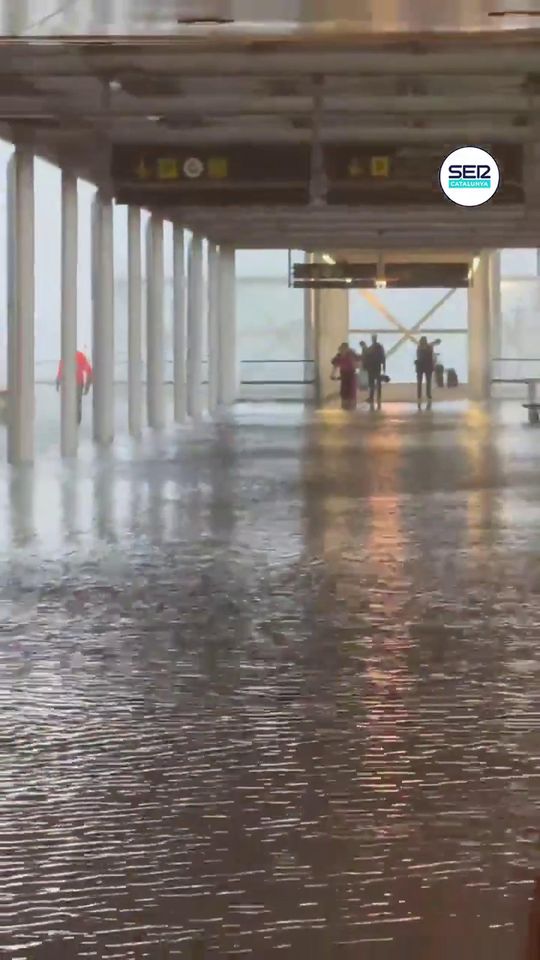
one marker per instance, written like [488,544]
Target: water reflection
[273,687]
[21,505]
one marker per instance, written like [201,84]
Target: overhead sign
[207,175]
[410,173]
[279,174]
[365,275]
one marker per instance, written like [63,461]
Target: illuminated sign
[365,275]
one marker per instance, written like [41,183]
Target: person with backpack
[425,365]
[375,364]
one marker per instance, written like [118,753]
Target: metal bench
[533,412]
[532,406]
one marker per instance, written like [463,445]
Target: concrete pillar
[309,330]
[21,307]
[229,367]
[135,380]
[495,303]
[331,327]
[68,402]
[480,330]
[214,339]
[194,327]
[179,325]
[103,318]
[155,387]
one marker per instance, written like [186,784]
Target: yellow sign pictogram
[168,168]
[217,168]
[142,171]
[380,166]
[355,168]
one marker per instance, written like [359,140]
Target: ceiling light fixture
[328,259]
[204,21]
[514,13]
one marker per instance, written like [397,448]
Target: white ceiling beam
[496,58]
[175,105]
[364,133]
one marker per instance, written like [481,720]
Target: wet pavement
[272,687]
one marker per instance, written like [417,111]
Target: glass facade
[400,317]
[270,319]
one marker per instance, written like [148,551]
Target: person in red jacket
[344,367]
[84,374]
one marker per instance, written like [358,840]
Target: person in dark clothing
[425,365]
[375,364]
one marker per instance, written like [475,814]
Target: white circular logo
[469,176]
[193,168]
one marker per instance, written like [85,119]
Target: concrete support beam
[214,338]
[21,307]
[480,330]
[229,366]
[68,401]
[135,379]
[194,327]
[179,324]
[155,387]
[103,318]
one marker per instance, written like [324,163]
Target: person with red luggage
[85,376]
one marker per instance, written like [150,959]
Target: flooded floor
[273,688]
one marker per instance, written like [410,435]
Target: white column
[69,314]
[495,303]
[331,308]
[179,324]
[214,339]
[194,327]
[229,374]
[480,330]
[21,307]
[135,382]
[309,329]
[103,318]
[155,388]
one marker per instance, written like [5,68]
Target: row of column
[189,303]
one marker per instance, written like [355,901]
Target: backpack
[451,379]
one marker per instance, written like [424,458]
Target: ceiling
[416,71]
[259,17]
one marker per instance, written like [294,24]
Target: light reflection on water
[273,688]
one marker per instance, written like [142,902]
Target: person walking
[344,367]
[363,382]
[375,364]
[425,366]
[84,375]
